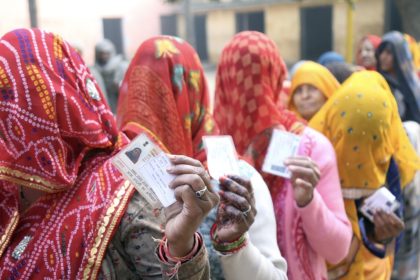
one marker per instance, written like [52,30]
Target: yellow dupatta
[362,122]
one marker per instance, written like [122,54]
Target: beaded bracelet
[164,250]
[176,262]
[227,247]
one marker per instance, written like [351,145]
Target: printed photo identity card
[282,146]
[144,164]
[381,199]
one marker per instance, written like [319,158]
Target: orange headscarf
[315,75]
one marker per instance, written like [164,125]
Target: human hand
[305,177]
[236,212]
[195,198]
[387,226]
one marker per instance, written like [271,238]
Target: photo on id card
[282,145]
[144,164]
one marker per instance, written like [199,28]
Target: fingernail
[232,177]
[171,156]
[170,169]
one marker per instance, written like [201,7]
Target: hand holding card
[194,200]
[171,181]
[305,176]
[382,199]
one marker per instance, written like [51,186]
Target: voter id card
[144,164]
[381,199]
[282,145]
[221,156]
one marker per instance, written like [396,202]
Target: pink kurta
[319,232]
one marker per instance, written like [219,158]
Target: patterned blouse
[132,252]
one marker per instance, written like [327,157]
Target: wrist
[304,202]
[382,241]
[230,247]
[181,246]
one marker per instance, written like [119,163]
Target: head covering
[165,93]
[248,83]
[375,41]
[105,46]
[295,67]
[406,80]
[57,135]
[414,51]
[329,57]
[315,75]
[362,122]
[341,70]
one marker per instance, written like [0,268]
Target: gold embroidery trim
[28,180]
[5,238]
[107,226]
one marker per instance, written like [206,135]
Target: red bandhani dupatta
[57,135]
[249,80]
[165,94]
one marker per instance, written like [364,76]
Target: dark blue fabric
[329,57]
[394,186]
[406,80]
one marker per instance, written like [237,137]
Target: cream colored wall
[14,16]
[339,28]
[80,21]
[282,23]
[369,18]
[220,29]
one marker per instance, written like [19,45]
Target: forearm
[326,229]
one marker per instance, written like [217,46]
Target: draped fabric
[362,122]
[316,75]
[405,83]
[57,135]
[165,93]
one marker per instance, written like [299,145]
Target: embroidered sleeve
[131,253]
[195,267]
